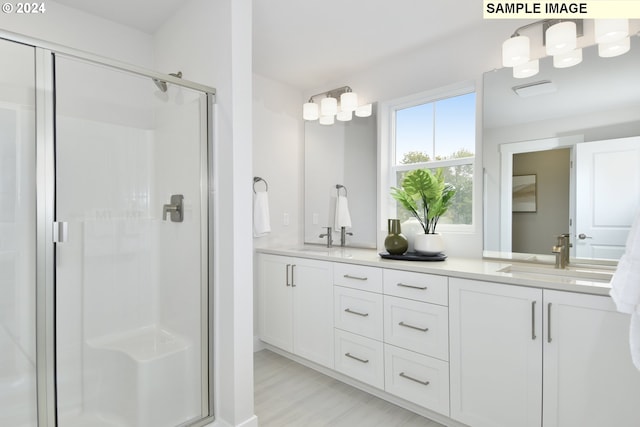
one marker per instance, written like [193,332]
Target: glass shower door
[17,236]
[131,261]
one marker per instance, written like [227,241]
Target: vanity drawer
[418,286]
[417,326]
[360,358]
[358,277]
[417,378]
[358,311]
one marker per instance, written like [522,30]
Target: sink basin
[570,273]
[319,250]
[337,251]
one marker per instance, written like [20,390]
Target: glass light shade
[569,59]
[348,101]
[326,120]
[364,110]
[608,50]
[344,116]
[561,38]
[328,106]
[515,51]
[527,69]
[310,111]
[611,30]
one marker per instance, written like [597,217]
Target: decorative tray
[414,256]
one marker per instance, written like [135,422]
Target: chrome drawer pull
[348,276]
[348,310]
[287,282]
[403,375]
[533,320]
[356,358]
[404,285]
[549,323]
[406,325]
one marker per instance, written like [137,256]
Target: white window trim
[386,132]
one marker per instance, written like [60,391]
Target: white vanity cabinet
[296,306]
[358,318]
[495,354]
[416,335]
[391,332]
[507,341]
[589,379]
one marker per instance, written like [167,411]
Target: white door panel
[607,196]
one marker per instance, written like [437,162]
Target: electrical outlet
[285,219]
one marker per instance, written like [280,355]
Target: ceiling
[305,43]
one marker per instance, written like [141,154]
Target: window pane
[455,131]
[414,134]
[460,211]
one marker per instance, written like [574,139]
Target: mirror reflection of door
[533,230]
[607,196]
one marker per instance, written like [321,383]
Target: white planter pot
[428,244]
[410,228]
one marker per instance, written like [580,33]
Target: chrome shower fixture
[162,85]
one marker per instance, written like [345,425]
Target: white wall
[70,27]
[278,157]
[461,58]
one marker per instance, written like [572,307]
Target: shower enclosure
[105,209]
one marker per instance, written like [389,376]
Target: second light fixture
[330,109]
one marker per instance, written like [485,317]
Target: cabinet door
[496,354]
[589,379]
[313,310]
[275,298]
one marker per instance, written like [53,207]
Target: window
[438,133]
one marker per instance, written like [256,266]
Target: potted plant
[427,197]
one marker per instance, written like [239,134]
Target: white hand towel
[261,221]
[625,288]
[342,217]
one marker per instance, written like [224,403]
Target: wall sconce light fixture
[560,39]
[330,109]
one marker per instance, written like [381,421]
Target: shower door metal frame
[45,53]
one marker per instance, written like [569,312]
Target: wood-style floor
[289,394]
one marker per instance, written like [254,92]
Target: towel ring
[257,179]
[338,187]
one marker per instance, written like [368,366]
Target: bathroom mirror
[341,154]
[564,126]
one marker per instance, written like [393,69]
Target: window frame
[388,206]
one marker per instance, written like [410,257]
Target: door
[496,354]
[131,256]
[274,290]
[589,378]
[607,196]
[17,236]
[312,284]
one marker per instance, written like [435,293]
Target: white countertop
[466,268]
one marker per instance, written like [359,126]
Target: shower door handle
[174,209]
[60,231]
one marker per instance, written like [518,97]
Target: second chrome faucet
[561,250]
[329,235]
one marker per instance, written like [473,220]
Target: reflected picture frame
[524,193]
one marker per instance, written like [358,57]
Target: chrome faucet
[343,235]
[561,250]
[329,236]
